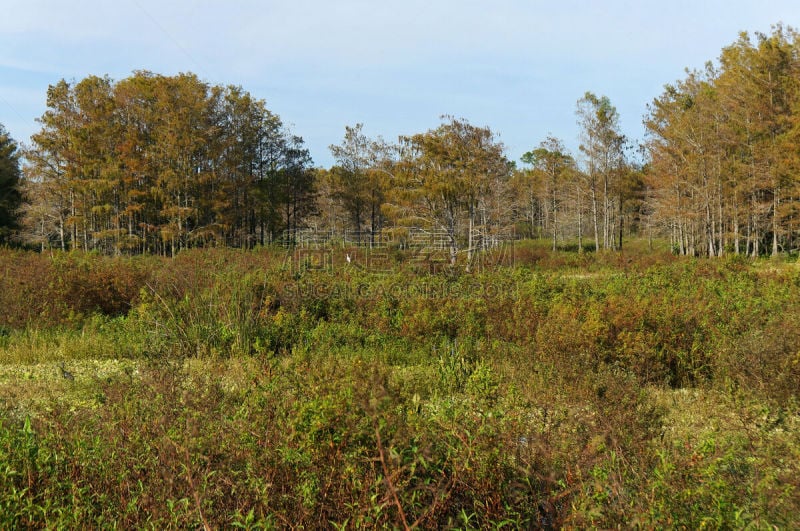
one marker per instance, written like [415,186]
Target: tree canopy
[156,163]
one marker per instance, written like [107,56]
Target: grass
[562,391]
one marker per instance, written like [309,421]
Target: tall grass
[562,391]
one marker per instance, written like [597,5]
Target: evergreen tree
[10,196]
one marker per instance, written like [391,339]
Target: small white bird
[347,257]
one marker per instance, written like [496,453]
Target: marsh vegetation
[228,388]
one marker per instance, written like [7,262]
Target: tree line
[155,164]
[723,149]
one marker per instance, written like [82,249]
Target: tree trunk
[555,220]
[606,212]
[594,217]
[620,224]
[775,203]
[470,235]
[580,228]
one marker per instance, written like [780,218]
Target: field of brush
[227,388]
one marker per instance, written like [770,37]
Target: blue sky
[395,66]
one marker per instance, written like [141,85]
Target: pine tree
[10,196]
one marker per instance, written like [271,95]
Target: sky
[516,66]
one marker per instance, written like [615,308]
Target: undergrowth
[227,389]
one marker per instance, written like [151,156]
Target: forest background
[155,163]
